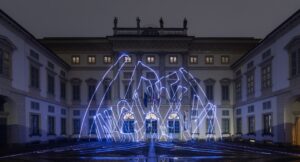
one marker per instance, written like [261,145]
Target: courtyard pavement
[156,151]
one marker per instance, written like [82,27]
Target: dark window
[63,111]
[51,65]
[238,111]
[92,112]
[51,84]
[239,125]
[225,112]
[91,91]
[267,105]
[267,119]
[250,84]
[76,126]
[251,125]
[4,63]
[266,78]
[35,105]
[174,126]
[63,126]
[225,126]
[51,109]
[210,92]
[76,92]
[106,87]
[151,126]
[63,90]
[238,89]
[250,109]
[51,125]
[92,126]
[128,92]
[34,77]
[128,126]
[210,128]
[225,93]
[35,124]
[76,112]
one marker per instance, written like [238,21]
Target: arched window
[151,123]
[173,123]
[128,123]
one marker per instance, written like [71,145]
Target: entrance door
[297,131]
[3,131]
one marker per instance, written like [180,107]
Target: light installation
[152,107]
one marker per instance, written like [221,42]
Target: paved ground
[159,151]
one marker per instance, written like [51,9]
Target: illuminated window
[75,60]
[128,59]
[193,60]
[173,59]
[92,59]
[107,59]
[224,59]
[209,59]
[150,59]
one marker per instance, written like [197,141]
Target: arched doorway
[151,125]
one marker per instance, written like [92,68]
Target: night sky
[94,18]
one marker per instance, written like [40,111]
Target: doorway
[296,132]
[3,131]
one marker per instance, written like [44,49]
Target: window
[150,59]
[34,125]
[63,90]
[51,125]
[92,59]
[50,65]
[173,59]
[92,126]
[34,55]
[34,77]
[91,91]
[128,59]
[266,72]
[76,126]
[209,59]
[51,109]
[225,112]
[127,75]
[267,119]
[128,92]
[4,63]
[173,126]
[76,92]
[209,92]
[267,105]
[251,109]
[107,59]
[238,111]
[63,126]
[128,126]
[238,89]
[225,126]
[239,126]
[107,89]
[295,63]
[35,105]
[250,84]
[194,113]
[76,112]
[251,125]
[224,59]
[225,92]
[92,112]
[51,84]
[210,129]
[193,60]
[75,60]
[151,126]
[63,112]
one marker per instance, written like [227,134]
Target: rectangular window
[224,59]
[92,112]
[250,84]
[76,126]
[210,129]
[92,126]
[173,126]
[4,63]
[51,84]
[150,59]
[1,61]
[35,105]
[238,89]
[76,112]
[51,125]
[294,63]
[128,92]
[75,60]
[51,109]
[251,109]
[151,126]
[76,92]
[107,97]
[251,125]
[107,59]
[209,59]
[128,126]
[63,112]
[225,112]
[50,65]
[238,111]
[225,92]
[62,90]
[193,60]
[239,126]
[225,126]
[128,59]
[267,105]
[209,92]
[34,125]
[91,91]
[92,59]
[34,77]
[34,55]
[267,119]
[266,78]
[63,126]
[173,59]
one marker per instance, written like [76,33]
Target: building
[47,85]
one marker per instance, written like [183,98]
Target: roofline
[266,40]
[27,34]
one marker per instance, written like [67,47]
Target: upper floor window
[4,63]
[225,60]
[75,59]
[76,83]
[250,83]
[173,59]
[267,124]
[295,63]
[34,76]
[107,59]
[209,59]
[266,76]
[209,89]
[193,60]
[150,59]
[128,59]
[51,84]
[92,59]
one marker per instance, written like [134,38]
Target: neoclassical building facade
[54,88]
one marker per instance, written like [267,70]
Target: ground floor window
[267,119]
[128,126]
[76,126]
[239,126]
[51,125]
[210,128]
[225,126]
[34,124]
[174,126]
[63,126]
[92,126]
[251,125]
[151,126]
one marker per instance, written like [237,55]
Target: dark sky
[93,18]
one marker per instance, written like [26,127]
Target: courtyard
[157,151]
